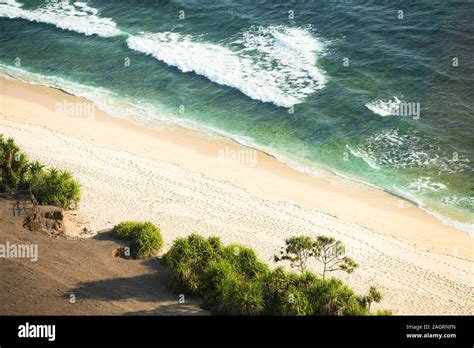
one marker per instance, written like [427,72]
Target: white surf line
[77,17]
[271,64]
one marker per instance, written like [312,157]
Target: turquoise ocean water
[318,84]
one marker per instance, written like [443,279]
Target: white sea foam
[384,107]
[395,107]
[425,184]
[116,106]
[459,201]
[395,149]
[464,226]
[271,64]
[77,17]
[105,100]
[275,64]
[461,225]
[366,157]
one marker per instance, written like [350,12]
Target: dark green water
[313,89]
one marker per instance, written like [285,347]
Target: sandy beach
[177,178]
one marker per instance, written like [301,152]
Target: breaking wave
[78,17]
[274,64]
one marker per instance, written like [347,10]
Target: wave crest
[77,17]
[274,64]
[384,107]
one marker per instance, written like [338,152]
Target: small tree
[374,295]
[329,252]
[297,250]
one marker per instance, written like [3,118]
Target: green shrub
[245,261]
[226,277]
[145,237]
[228,291]
[50,187]
[231,280]
[55,187]
[189,258]
[333,297]
[147,242]
[286,292]
[307,294]
[14,166]
[35,169]
[218,281]
[125,229]
[374,295]
[246,298]
[296,302]
[289,301]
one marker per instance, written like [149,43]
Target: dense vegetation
[232,280]
[49,186]
[144,237]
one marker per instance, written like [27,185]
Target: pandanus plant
[14,166]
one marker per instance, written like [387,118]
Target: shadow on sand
[150,287]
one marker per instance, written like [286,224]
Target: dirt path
[102,284]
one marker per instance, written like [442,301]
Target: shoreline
[189,128]
[173,176]
[186,141]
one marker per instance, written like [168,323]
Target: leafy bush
[145,237]
[374,295]
[226,277]
[287,292]
[245,261]
[50,187]
[124,230]
[147,242]
[13,166]
[189,258]
[333,297]
[228,291]
[232,280]
[56,187]
[246,298]
[217,282]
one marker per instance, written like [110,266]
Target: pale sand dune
[421,265]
